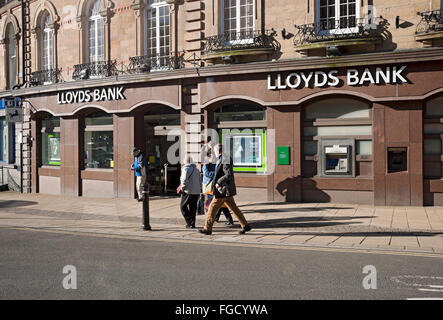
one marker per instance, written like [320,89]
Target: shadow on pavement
[304,222]
[16,203]
[274,210]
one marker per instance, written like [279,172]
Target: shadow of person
[16,203]
[299,189]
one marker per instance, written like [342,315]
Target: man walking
[224,190]
[191,188]
[140,167]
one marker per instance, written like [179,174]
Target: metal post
[166,178]
[146,225]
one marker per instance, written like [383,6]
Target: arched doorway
[162,133]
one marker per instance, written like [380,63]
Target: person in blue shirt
[140,167]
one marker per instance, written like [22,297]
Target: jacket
[224,176]
[208,172]
[190,179]
[140,165]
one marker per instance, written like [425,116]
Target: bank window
[338,16]
[46,43]
[96,32]
[157,44]
[99,141]
[246,147]
[51,142]
[432,138]
[11,50]
[237,19]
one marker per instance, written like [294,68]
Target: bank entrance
[162,133]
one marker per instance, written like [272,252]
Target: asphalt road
[31,267]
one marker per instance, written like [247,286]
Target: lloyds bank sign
[353,77]
[91,95]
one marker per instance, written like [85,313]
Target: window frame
[93,19]
[98,128]
[11,60]
[146,46]
[337,16]
[238,26]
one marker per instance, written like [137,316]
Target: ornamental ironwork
[333,30]
[230,41]
[148,63]
[430,21]
[98,69]
[42,77]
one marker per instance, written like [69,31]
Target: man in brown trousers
[224,190]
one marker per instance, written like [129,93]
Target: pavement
[323,225]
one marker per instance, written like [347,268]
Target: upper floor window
[96,46]
[157,33]
[11,51]
[47,52]
[237,16]
[338,15]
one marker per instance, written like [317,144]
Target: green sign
[283,155]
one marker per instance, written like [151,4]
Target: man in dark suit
[224,190]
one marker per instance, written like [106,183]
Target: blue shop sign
[10,102]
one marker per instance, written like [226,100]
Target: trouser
[227,214]
[140,182]
[216,204]
[188,207]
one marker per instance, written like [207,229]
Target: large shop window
[432,139]
[99,141]
[51,142]
[157,34]
[337,138]
[242,131]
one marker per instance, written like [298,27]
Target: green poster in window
[54,149]
[283,157]
[247,147]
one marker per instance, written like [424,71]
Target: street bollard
[146,225]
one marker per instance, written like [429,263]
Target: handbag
[207,187]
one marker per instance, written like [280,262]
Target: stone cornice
[421,55]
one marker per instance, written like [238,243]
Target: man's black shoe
[204,231]
[230,223]
[190,226]
[245,229]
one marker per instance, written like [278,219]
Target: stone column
[70,141]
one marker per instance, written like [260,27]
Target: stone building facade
[318,100]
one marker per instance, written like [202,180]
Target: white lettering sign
[86,96]
[354,77]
